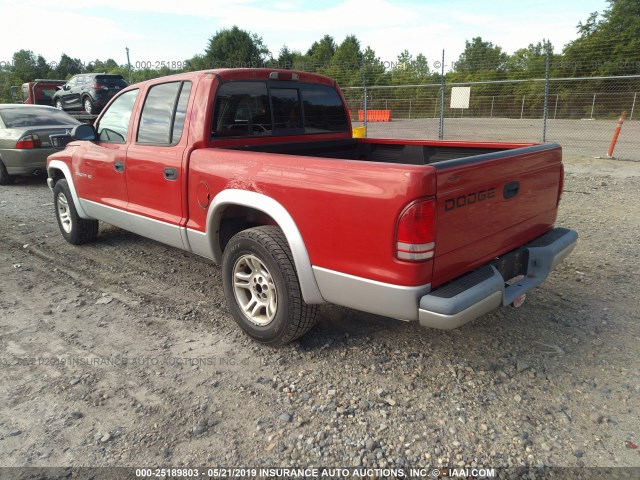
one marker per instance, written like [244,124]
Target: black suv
[89,92]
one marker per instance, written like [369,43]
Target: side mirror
[84,132]
[14,94]
[66,87]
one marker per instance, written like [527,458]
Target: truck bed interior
[355,149]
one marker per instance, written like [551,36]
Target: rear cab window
[263,108]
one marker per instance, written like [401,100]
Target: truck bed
[410,152]
[490,196]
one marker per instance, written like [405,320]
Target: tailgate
[491,204]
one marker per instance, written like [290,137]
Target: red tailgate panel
[479,217]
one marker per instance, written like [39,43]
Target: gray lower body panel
[461,300]
[147,227]
[370,296]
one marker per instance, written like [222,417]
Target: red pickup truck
[257,169]
[38,92]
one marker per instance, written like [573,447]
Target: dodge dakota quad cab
[257,170]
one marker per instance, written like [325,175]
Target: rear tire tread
[306,319]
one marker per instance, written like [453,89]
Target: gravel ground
[122,353]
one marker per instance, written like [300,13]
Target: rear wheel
[262,288]
[5,178]
[74,229]
[88,106]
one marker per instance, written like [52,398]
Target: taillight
[28,141]
[98,86]
[416,233]
[561,186]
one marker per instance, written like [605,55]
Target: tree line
[606,44]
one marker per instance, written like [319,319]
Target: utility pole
[545,112]
[442,87]
[128,63]
[364,105]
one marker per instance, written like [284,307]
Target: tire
[87,106]
[262,288]
[5,178]
[74,229]
[58,104]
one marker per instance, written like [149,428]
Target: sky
[173,31]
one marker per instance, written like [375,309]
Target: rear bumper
[485,289]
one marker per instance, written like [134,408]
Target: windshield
[35,117]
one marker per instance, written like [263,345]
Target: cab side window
[163,114]
[114,124]
[181,112]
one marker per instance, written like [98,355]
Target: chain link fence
[581,113]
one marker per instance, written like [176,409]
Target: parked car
[28,135]
[89,92]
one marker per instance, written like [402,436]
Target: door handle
[119,166]
[171,173]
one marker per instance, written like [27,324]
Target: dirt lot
[123,353]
